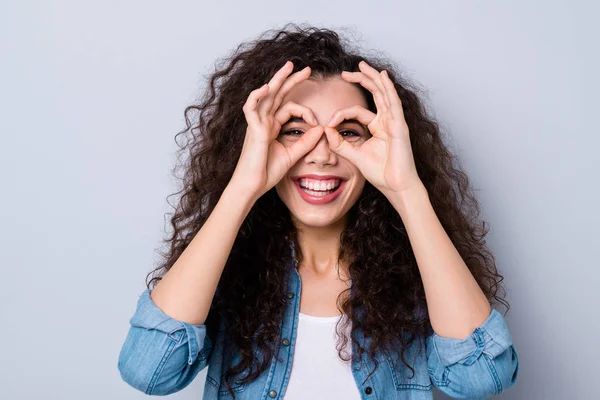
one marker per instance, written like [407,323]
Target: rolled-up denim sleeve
[161,355]
[482,365]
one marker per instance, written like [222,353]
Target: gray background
[92,93]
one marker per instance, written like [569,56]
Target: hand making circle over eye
[386,159]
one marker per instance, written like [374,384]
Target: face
[335,185]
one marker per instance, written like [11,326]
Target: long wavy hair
[386,285]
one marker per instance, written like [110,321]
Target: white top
[317,371]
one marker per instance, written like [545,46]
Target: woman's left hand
[386,159]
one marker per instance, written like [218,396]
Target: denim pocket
[219,383]
[215,375]
[402,376]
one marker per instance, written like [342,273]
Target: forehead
[325,97]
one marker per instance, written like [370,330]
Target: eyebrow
[346,121]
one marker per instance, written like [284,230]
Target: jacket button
[368,390]
[290,295]
[286,342]
[272,393]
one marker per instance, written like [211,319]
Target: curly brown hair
[250,298]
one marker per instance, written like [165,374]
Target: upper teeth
[319,184]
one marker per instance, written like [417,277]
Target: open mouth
[319,191]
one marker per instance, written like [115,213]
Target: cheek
[357,176]
[287,140]
[359,183]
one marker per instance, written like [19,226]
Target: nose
[321,154]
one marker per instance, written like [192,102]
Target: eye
[350,133]
[344,133]
[292,132]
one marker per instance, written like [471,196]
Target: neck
[319,249]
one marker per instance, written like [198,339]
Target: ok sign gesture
[386,159]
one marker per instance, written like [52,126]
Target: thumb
[306,143]
[340,146]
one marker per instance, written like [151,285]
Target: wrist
[239,193]
[406,199]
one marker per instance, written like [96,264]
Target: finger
[368,83]
[395,102]
[250,107]
[374,75]
[289,109]
[363,115]
[341,147]
[274,85]
[289,83]
[360,113]
[307,142]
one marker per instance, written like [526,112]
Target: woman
[321,203]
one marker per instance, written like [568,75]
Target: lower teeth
[319,193]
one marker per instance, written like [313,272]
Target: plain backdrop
[92,94]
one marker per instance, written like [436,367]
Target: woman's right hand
[264,160]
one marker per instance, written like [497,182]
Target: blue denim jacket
[162,355]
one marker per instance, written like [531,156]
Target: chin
[317,221]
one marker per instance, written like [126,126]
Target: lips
[319,189]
